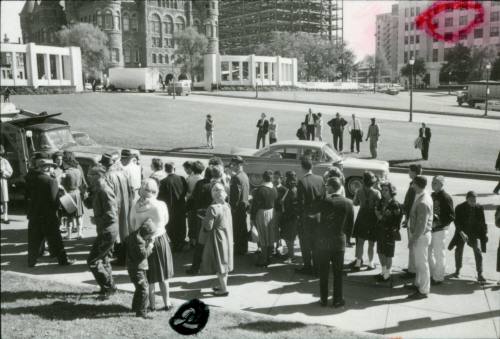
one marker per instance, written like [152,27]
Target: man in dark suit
[337,127]
[425,133]
[238,200]
[310,191]
[470,229]
[310,122]
[173,191]
[42,214]
[263,128]
[337,215]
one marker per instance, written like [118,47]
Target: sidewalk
[459,308]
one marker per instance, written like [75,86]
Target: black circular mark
[190,318]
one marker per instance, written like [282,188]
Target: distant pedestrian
[470,229]
[497,167]
[373,134]
[173,190]
[425,134]
[310,121]
[301,132]
[367,197]
[389,215]
[209,129]
[444,214]
[139,248]
[356,131]
[413,172]
[5,174]
[337,127]
[337,215]
[158,172]
[262,129]
[218,251]
[273,131]
[420,224]
[319,127]
[262,215]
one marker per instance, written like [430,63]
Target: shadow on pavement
[266,326]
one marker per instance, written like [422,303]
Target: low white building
[36,66]
[249,70]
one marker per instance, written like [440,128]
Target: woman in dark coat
[290,217]
[366,198]
[73,181]
[389,215]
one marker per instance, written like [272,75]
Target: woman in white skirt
[5,174]
[262,215]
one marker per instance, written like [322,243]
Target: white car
[285,156]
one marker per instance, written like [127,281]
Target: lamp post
[449,82]
[488,68]
[372,69]
[412,62]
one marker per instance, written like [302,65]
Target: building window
[406,40]
[160,56]
[462,35]
[126,54]
[417,39]
[406,27]
[169,25]
[406,57]
[448,36]
[462,20]
[494,16]
[412,39]
[156,41]
[494,31]
[406,11]
[134,24]
[478,33]
[412,26]
[108,20]
[418,10]
[155,24]
[126,23]
[154,58]
[180,24]
[412,11]
[435,55]
[224,67]
[137,55]
[448,22]
[115,55]
[166,59]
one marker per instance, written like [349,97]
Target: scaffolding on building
[244,24]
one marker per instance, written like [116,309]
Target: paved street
[460,308]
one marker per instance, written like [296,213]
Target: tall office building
[386,42]
[244,24]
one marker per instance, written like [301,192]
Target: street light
[412,62]
[488,67]
[449,82]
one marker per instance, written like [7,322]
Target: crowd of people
[144,222]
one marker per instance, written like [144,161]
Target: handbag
[418,143]
[68,203]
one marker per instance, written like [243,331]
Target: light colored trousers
[437,255]
[373,147]
[421,253]
[411,256]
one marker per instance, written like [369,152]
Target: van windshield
[53,139]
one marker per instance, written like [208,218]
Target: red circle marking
[425,19]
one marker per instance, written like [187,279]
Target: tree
[481,56]
[191,46]
[458,63]
[419,70]
[93,45]
[495,69]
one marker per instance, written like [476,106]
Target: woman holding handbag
[290,218]
[74,185]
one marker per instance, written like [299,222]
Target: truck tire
[460,103]
[471,103]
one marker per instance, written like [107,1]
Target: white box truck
[476,93]
[141,79]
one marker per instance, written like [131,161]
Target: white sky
[359,22]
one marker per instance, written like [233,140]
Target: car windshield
[329,153]
[57,138]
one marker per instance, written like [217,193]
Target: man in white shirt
[355,129]
[132,169]
[310,122]
[420,226]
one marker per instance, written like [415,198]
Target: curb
[351,106]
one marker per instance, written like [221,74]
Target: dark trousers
[40,229]
[425,149]
[261,136]
[99,259]
[307,235]
[177,231]
[478,257]
[338,141]
[310,132]
[197,256]
[140,301]
[240,229]
[336,258]
[355,138]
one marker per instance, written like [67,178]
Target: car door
[279,158]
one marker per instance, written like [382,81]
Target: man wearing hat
[124,195]
[132,169]
[172,191]
[263,128]
[470,229]
[444,214]
[5,174]
[44,222]
[373,134]
[238,200]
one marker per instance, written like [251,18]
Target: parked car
[392,91]
[285,156]
[493,105]
[88,86]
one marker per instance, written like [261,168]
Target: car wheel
[255,179]
[352,185]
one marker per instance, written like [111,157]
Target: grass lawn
[35,308]
[157,121]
